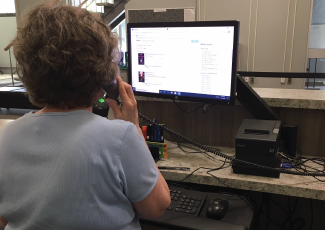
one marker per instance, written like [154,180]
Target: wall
[274,35]
[22,6]
[8,28]
[149,4]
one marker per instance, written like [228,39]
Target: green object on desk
[123,67]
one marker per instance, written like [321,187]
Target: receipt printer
[257,141]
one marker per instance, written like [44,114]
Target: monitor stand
[253,102]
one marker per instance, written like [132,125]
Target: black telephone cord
[232,159]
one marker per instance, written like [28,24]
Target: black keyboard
[186,201]
[188,211]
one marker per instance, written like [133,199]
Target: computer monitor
[189,61]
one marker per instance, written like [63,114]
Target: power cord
[206,108]
[188,111]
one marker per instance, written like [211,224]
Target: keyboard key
[175,198]
[187,200]
[174,191]
[177,195]
[191,204]
[170,208]
[192,201]
[186,203]
[179,206]
[179,192]
[188,211]
[179,210]
[181,203]
[197,203]
[182,199]
[189,207]
[193,211]
[184,196]
[184,206]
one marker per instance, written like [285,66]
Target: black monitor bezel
[235,24]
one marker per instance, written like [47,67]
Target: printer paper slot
[256,132]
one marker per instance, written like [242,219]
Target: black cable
[240,197]
[301,161]
[181,185]
[233,159]
[208,172]
[188,111]
[319,179]
[260,211]
[298,164]
[206,110]
[311,214]
[185,151]
[278,205]
[267,211]
[192,174]
[179,145]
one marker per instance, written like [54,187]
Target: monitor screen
[191,61]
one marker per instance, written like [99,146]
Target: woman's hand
[128,111]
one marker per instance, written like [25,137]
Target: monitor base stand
[253,102]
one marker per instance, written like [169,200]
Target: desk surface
[291,185]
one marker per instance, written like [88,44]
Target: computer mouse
[217,208]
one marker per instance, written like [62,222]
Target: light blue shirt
[73,170]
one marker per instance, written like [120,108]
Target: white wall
[23,6]
[8,30]
[274,35]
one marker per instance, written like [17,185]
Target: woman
[64,167]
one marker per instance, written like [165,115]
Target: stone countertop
[293,98]
[275,97]
[4,122]
[291,185]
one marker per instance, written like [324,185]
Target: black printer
[257,141]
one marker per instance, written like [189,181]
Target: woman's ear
[100,94]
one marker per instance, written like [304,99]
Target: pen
[174,168]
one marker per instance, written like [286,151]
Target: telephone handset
[111,90]
[101,107]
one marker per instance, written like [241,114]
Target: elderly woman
[64,167]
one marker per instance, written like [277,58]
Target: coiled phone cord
[232,159]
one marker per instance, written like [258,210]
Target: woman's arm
[155,204]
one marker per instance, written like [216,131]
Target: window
[8,7]
[121,31]
[89,5]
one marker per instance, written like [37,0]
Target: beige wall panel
[230,10]
[271,35]
[290,35]
[252,36]
[150,4]
[301,36]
